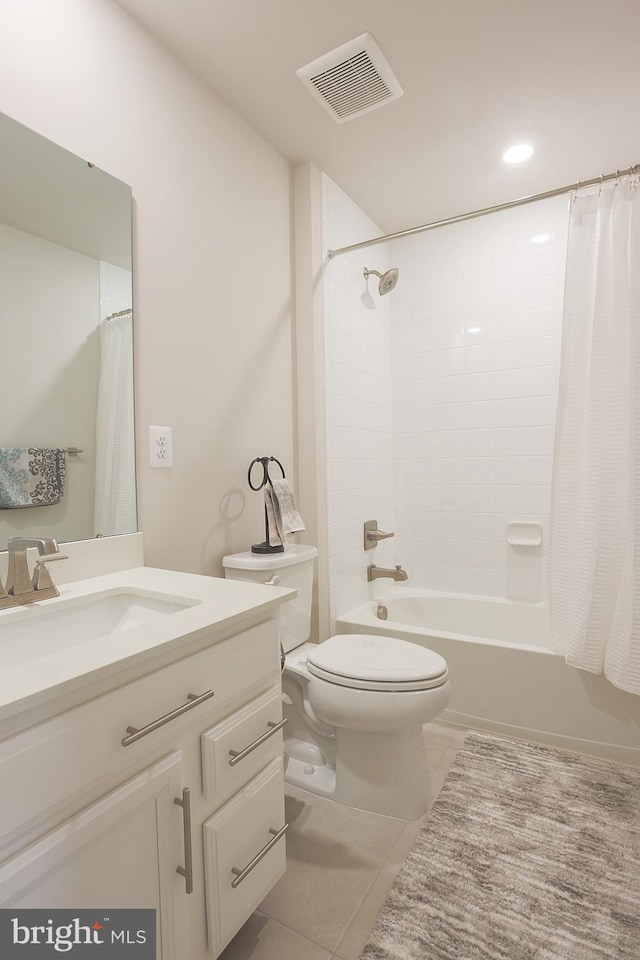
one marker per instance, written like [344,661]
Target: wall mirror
[67,448]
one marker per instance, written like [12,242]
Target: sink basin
[28,633]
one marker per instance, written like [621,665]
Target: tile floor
[341,863]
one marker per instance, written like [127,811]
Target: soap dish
[524,533]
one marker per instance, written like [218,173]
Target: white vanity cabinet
[155,794]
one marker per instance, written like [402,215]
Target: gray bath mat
[529,853]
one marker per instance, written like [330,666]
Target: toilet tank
[294,569]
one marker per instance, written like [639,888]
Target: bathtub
[505,678]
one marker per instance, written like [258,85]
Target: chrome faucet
[22,586]
[374,572]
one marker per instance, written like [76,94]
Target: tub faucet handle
[372,535]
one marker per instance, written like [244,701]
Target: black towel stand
[265,547]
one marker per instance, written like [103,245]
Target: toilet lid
[371,662]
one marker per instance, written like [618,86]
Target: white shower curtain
[594,569]
[115,493]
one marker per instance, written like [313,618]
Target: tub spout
[374,572]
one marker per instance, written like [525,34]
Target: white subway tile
[428,470]
[425,417]
[425,312]
[510,470]
[480,414]
[481,582]
[454,579]
[425,365]
[451,389]
[454,526]
[511,498]
[508,413]
[538,441]
[481,443]
[538,499]
[508,326]
[336,410]
[429,524]
[480,359]
[508,384]
[454,498]
[482,470]
[450,362]
[455,552]
[423,338]
[426,391]
[478,330]
[452,443]
[539,411]
[403,393]
[450,336]
[541,381]
[540,321]
[452,416]
[453,471]
[482,553]
[404,420]
[427,496]
[510,442]
[481,498]
[538,470]
[330,368]
[480,386]
[481,526]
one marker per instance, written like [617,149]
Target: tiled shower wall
[357,324]
[440,399]
[476,344]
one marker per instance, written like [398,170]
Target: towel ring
[265,461]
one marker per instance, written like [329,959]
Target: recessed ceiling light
[541,238]
[522,151]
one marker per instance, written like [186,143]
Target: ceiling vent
[351,80]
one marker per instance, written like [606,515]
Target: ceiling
[478,76]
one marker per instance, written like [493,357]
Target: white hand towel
[282,511]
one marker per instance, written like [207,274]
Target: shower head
[387,280]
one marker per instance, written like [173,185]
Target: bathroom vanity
[141,765]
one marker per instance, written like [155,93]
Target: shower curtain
[594,569]
[115,493]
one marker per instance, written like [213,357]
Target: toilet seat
[372,662]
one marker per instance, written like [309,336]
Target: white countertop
[217,608]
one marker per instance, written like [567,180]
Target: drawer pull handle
[193,700]
[241,874]
[187,870]
[237,756]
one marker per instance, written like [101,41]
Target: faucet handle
[372,535]
[41,577]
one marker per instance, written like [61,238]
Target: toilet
[355,704]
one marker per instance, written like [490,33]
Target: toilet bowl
[355,704]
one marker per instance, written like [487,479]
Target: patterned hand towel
[282,511]
[31,476]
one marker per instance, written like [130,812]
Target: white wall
[212,279]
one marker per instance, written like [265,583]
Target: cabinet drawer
[63,757]
[236,749]
[244,854]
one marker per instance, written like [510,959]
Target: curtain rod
[480,213]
